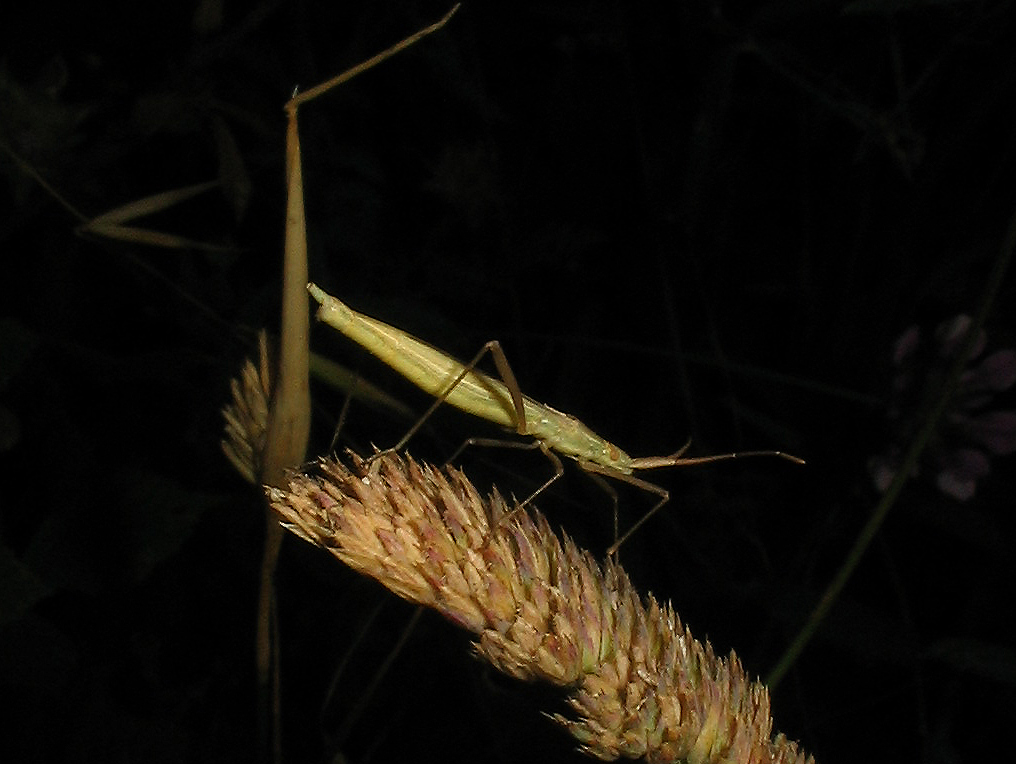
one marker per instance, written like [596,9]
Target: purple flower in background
[971,432]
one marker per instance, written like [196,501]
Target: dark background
[680,219]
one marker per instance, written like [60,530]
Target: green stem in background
[936,406]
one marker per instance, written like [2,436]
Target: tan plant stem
[288,425]
[288,430]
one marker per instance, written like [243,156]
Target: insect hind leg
[596,470]
[530,446]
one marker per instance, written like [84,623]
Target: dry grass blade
[149,205]
[110,224]
[639,684]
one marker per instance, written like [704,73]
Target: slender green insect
[502,402]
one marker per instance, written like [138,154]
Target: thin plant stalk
[935,407]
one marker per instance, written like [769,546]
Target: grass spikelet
[638,683]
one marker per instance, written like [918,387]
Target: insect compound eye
[613,452]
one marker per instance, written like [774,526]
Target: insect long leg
[497,443]
[678,459]
[645,485]
[609,490]
[551,456]
[343,413]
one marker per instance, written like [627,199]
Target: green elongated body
[434,372]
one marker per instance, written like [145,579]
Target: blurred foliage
[680,219]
